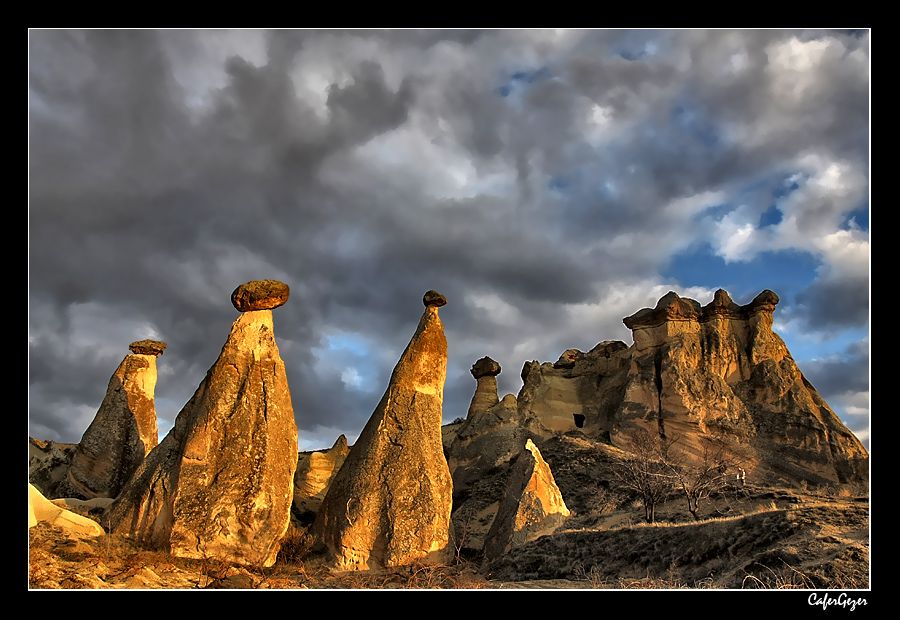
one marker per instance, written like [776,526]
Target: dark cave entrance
[579,419]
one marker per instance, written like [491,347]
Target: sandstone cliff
[692,370]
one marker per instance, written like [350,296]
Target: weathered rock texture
[485,372]
[221,482]
[148,347]
[694,371]
[260,295]
[42,509]
[389,504]
[48,462]
[721,369]
[315,471]
[588,384]
[122,433]
[532,505]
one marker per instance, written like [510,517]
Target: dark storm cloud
[365,167]
[835,304]
[848,372]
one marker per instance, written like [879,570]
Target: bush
[296,545]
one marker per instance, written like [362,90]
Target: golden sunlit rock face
[122,433]
[695,371]
[220,484]
[314,474]
[389,505]
[531,507]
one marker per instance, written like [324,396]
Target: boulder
[148,347]
[260,295]
[531,507]
[389,504]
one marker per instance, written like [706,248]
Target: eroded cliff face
[220,484]
[693,371]
[721,369]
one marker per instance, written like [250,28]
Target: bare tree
[646,473]
[700,478]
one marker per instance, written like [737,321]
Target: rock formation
[578,384]
[48,462]
[122,433]
[220,484]
[721,369]
[693,371]
[315,471]
[41,509]
[485,372]
[389,504]
[532,505]
[260,295]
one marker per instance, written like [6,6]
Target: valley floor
[791,540]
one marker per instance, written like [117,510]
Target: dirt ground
[782,539]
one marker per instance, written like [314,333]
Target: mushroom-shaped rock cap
[260,295]
[433,298]
[485,367]
[148,347]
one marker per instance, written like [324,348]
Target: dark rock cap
[148,347]
[485,367]
[433,298]
[260,295]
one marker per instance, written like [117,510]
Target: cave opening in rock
[579,419]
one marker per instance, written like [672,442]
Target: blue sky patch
[770,217]
[859,216]
[786,270]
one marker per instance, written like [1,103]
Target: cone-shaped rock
[389,505]
[122,433]
[485,372]
[220,484]
[532,505]
[315,471]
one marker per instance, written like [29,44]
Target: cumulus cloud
[541,179]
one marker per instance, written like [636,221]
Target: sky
[548,182]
